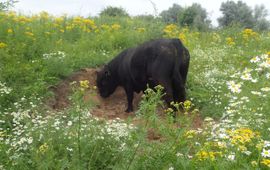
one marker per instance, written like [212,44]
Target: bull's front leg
[129,93]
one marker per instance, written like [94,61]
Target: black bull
[162,62]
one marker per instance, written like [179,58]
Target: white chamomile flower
[266,153]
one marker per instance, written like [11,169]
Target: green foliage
[4,6]
[114,12]
[236,13]
[260,14]
[241,14]
[171,15]
[195,17]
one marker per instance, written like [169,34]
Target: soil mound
[110,108]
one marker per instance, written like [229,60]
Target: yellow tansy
[10,31]
[266,162]
[115,26]
[43,148]
[3,45]
[30,34]
[84,84]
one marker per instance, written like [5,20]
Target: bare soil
[109,108]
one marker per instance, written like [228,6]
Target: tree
[194,16]
[236,13]
[171,15]
[114,11]
[260,14]
[7,4]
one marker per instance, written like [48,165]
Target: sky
[133,7]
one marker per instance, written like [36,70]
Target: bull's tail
[180,71]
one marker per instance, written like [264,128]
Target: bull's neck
[113,66]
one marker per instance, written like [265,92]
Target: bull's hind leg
[169,95]
[179,94]
[161,75]
[167,85]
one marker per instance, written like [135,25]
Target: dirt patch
[109,108]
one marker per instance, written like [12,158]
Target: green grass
[224,87]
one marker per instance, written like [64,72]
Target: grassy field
[228,86]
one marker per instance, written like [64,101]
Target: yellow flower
[61,30]
[3,45]
[203,155]
[89,22]
[242,136]
[221,145]
[115,26]
[69,27]
[77,20]
[140,30]
[187,105]
[242,148]
[266,162]
[183,38]
[190,134]
[230,41]
[268,53]
[170,28]
[249,34]
[105,26]
[254,163]
[268,60]
[10,31]
[59,20]
[43,148]
[169,110]
[84,84]
[94,87]
[30,34]
[23,19]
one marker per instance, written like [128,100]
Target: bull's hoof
[128,110]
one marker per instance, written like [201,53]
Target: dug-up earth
[109,108]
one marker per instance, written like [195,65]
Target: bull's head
[106,82]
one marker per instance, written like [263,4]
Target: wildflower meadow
[228,91]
